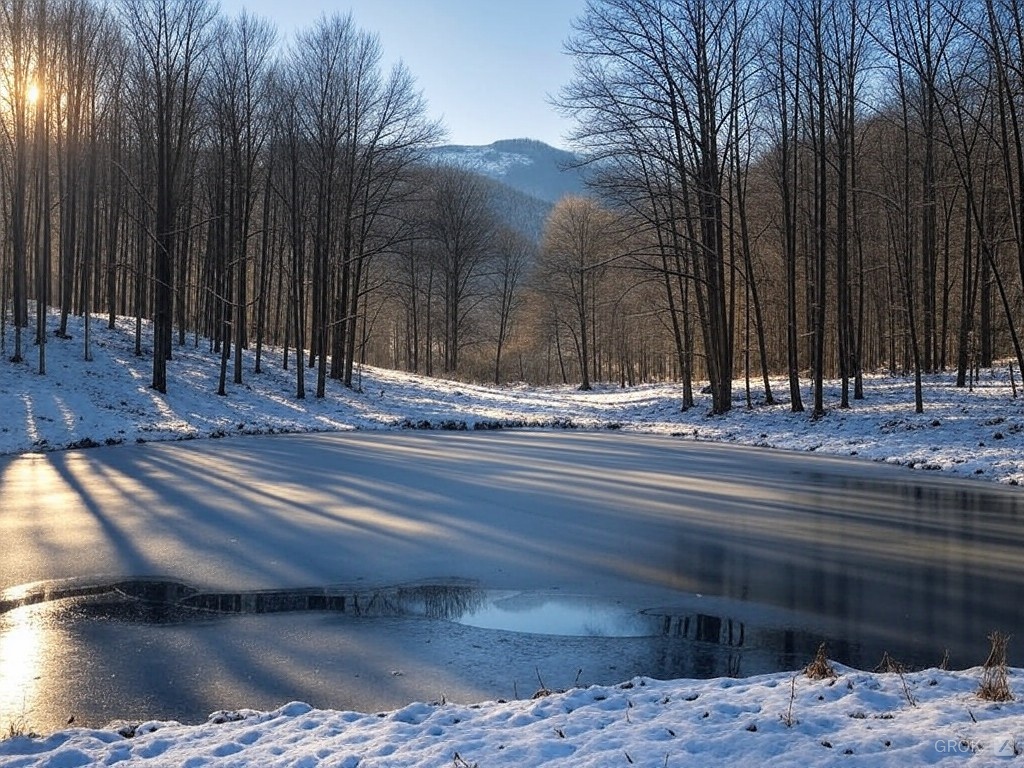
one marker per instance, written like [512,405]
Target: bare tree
[291,189]
[238,98]
[1004,37]
[577,249]
[362,131]
[460,225]
[514,255]
[387,131]
[783,86]
[672,68]
[169,38]
[43,233]
[21,92]
[967,117]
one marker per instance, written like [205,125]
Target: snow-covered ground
[855,719]
[858,718]
[977,433]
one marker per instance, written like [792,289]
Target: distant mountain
[524,213]
[532,167]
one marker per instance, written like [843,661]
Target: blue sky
[486,66]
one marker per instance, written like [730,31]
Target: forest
[788,189]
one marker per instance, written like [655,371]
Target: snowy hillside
[978,434]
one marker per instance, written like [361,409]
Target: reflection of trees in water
[703,646]
[155,601]
[434,601]
[957,505]
[699,645]
[446,602]
[704,628]
[909,566]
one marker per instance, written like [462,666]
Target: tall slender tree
[169,45]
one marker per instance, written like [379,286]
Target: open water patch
[556,614]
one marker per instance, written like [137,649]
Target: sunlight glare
[32,94]
[21,650]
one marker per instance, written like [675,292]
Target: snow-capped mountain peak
[532,167]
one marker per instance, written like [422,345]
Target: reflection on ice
[22,646]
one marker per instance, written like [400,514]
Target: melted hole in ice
[563,615]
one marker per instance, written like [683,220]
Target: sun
[32,93]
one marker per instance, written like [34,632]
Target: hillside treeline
[813,189]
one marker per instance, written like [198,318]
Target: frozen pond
[367,570]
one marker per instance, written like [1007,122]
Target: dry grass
[889,665]
[995,679]
[820,668]
[18,729]
[787,719]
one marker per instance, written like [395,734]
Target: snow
[930,717]
[857,718]
[485,160]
